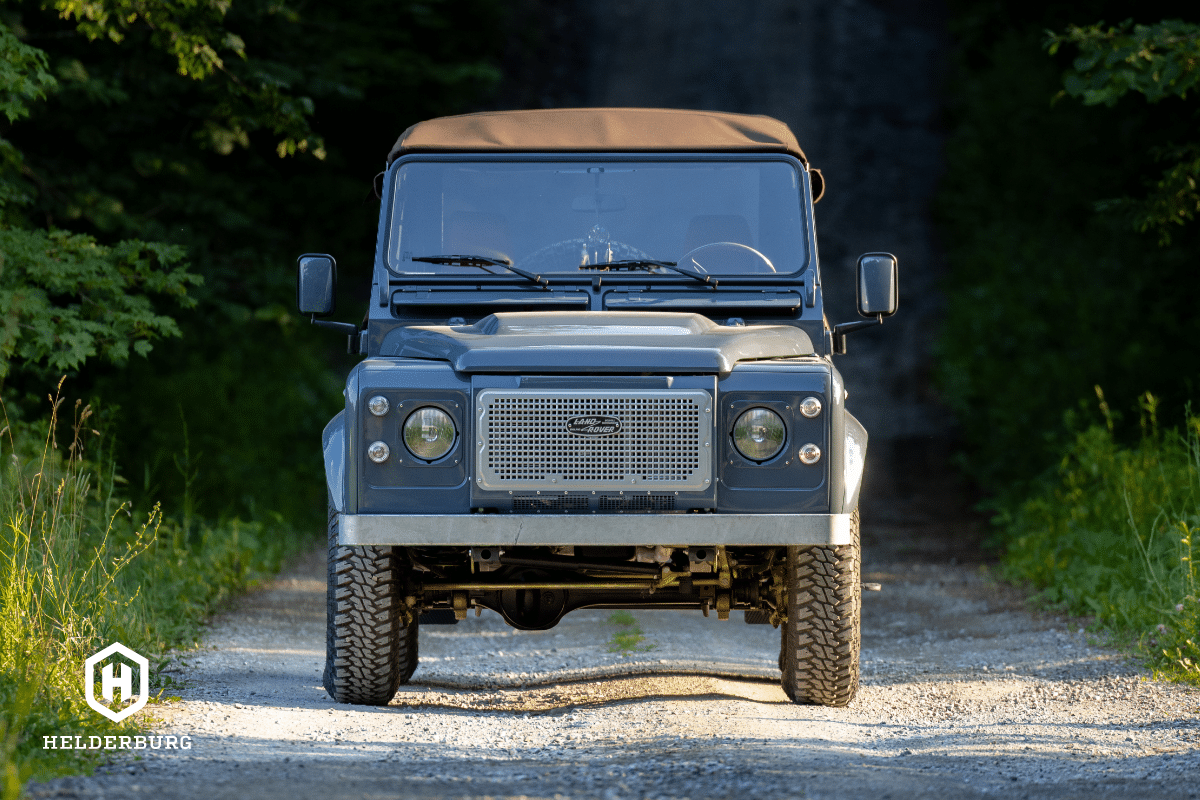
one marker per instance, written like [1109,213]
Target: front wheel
[820,638]
[371,637]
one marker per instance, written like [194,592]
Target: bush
[1113,537]
[78,571]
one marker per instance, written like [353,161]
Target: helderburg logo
[593,426]
[114,675]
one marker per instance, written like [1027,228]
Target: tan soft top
[599,130]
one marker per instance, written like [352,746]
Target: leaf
[24,77]
[65,299]
[1157,61]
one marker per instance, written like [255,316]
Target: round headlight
[810,407]
[429,433]
[758,434]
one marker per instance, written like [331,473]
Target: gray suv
[597,373]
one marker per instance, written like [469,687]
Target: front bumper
[677,530]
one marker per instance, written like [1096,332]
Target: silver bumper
[677,530]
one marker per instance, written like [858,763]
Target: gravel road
[964,694]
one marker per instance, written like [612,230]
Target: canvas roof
[608,130]
[598,129]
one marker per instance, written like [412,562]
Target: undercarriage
[533,587]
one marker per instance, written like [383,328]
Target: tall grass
[1114,536]
[79,570]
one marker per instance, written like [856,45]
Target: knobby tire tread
[369,649]
[819,653]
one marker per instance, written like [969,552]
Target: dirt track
[964,694]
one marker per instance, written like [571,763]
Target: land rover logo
[593,426]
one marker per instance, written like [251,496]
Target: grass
[629,636]
[1114,536]
[79,569]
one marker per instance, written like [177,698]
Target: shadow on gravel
[555,696]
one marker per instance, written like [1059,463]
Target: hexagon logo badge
[117,675]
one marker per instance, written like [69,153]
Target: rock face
[860,85]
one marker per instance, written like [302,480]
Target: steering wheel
[566,254]
[726,257]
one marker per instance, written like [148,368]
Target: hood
[596,341]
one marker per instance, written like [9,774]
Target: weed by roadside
[629,636]
[80,570]
[1115,537]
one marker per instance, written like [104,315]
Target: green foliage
[192,32]
[187,29]
[23,76]
[1051,290]
[23,80]
[66,299]
[1113,537]
[1157,61]
[1045,297]
[78,570]
[128,148]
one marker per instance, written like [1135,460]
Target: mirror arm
[351,330]
[840,331]
[348,328]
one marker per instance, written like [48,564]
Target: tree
[261,148]
[1045,298]
[1159,62]
[64,298]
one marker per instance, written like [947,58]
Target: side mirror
[878,295]
[316,283]
[878,285]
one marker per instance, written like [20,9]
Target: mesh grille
[559,503]
[637,502]
[526,439]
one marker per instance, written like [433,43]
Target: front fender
[333,444]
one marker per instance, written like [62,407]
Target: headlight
[758,434]
[429,433]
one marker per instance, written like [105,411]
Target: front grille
[579,439]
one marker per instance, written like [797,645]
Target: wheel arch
[854,461]
[333,445]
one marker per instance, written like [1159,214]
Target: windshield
[718,217]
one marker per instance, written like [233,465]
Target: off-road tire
[820,640]
[370,642]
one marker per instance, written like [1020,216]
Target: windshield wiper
[649,264]
[481,261]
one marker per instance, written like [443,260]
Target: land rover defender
[597,373]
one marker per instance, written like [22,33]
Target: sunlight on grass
[1114,537]
[79,570]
